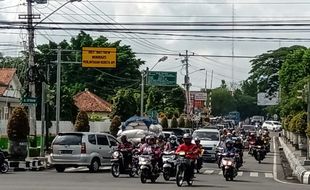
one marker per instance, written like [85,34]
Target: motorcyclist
[126,148]
[200,153]
[239,148]
[172,144]
[190,150]
[229,147]
[150,147]
[161,142]
[259,140]
[142,142]
[234,133]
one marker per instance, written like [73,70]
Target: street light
[203,69]
[143,75]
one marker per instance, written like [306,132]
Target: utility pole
[32,93]
[142,92]
[308,121]
[210,95]
[187,83]
[58,88]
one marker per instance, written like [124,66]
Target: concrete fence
[298,170]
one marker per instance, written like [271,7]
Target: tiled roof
[89,102]
[6,76]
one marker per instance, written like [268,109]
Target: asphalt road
[252,176]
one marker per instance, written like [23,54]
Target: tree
[18,131]
[174,122]
[75,78]
[82,123]
[181,122]
[164,122]
[266,66]
[114,128]
[222,101]
[188,123]
[18,125]
[298,123]
[124,104]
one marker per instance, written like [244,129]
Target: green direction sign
[28,100]
[161,78]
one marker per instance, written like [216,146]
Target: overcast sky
[171,11]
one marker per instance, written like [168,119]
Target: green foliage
[164,122]
[82,123]
[18,125]
[266,66]
[298,123]
[174,122]
[75,78]
[114,128]
[96,117]
[181,122]
[124,104]
[222,101]
[188,123]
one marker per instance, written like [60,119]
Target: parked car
[82,149]
[209,139]
[272,125]
[257,119]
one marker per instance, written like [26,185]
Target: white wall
[64,126]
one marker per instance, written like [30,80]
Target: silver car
[82,149]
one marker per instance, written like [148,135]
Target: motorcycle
[184,170]
[4,165]
[219,152]
[251,145]
[259,153]
[267,145]
[148,170]
[228,165]
[169,165]
[119,166]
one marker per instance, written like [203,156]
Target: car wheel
[60,169]
[94,166]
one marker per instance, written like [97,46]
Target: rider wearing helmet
[172,144]
[161,142]
[190,150]
[126,148]
[239,148]
[200,152]
[229,147]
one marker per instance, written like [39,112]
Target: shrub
[164,122]
[188,123]
[181,122]
[298,123]
[174,122]
[81,122]
[115,123]
[18,125]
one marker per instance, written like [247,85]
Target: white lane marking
[253,174]
[240,173]
[208,171]
[268,175]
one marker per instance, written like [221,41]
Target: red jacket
[125,146]
[191,150]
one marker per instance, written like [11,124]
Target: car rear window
[68,139]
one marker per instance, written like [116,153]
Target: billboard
[264,99]
[99,57]
[197,95]
[161,78]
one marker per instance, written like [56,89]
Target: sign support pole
[58,88]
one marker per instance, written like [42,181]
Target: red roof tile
[89,102]
[6,76]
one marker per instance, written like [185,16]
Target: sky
[232,70]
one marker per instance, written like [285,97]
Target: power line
[13,6]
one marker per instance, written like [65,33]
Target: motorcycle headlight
[259,147]
[115,154]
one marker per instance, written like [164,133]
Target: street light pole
[308,120]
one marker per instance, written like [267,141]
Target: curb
[298,170]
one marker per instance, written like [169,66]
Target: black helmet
[187,136]
[173,138]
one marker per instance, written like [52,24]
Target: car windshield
[203,135]
[68,139]
[276,123]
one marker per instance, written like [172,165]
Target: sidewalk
[296,161]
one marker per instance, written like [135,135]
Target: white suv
[272,125]
[82,149]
